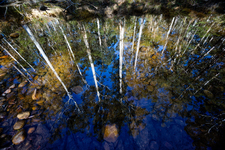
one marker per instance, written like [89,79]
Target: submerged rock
[23,115]
[111,133]
[31,130]
[14,35]
[19,137]
[7,92]
[208,93]
[150,88]
[19,124]
[77,89]
[3,136]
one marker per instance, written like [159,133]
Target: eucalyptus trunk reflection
[49,63]
[91,62]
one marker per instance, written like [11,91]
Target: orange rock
[19,137]
[14,35]
[111,133]
[31,130]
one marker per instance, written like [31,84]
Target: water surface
[137,82]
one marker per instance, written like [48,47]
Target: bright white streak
[48,62]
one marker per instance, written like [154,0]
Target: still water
[136,82]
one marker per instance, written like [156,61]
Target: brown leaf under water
[34,95]
[22,84]
[3,57]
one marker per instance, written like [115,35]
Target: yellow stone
[111,133]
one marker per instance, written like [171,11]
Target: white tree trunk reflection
[168,35]
[121,56]
[18,53]
[71,53]
[91,62]
[139,39]
[48,62]
[132,48]
[15,60]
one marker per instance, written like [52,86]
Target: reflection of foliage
[188,73]
[208,131]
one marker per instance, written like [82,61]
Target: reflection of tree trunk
[121,56]
[132,48]
[91,62]
[48,62]
[139,39]
[206,83]
[105,37]
[203,38]
[22,73]
[15,60]
[99,36]
[18,53]
[168,35]
[71,53]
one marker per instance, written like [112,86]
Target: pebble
[14,35]
[6,92]
[3,136]
[31,130]
[208,93]
[23,115]
[19,137]
[19,124]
